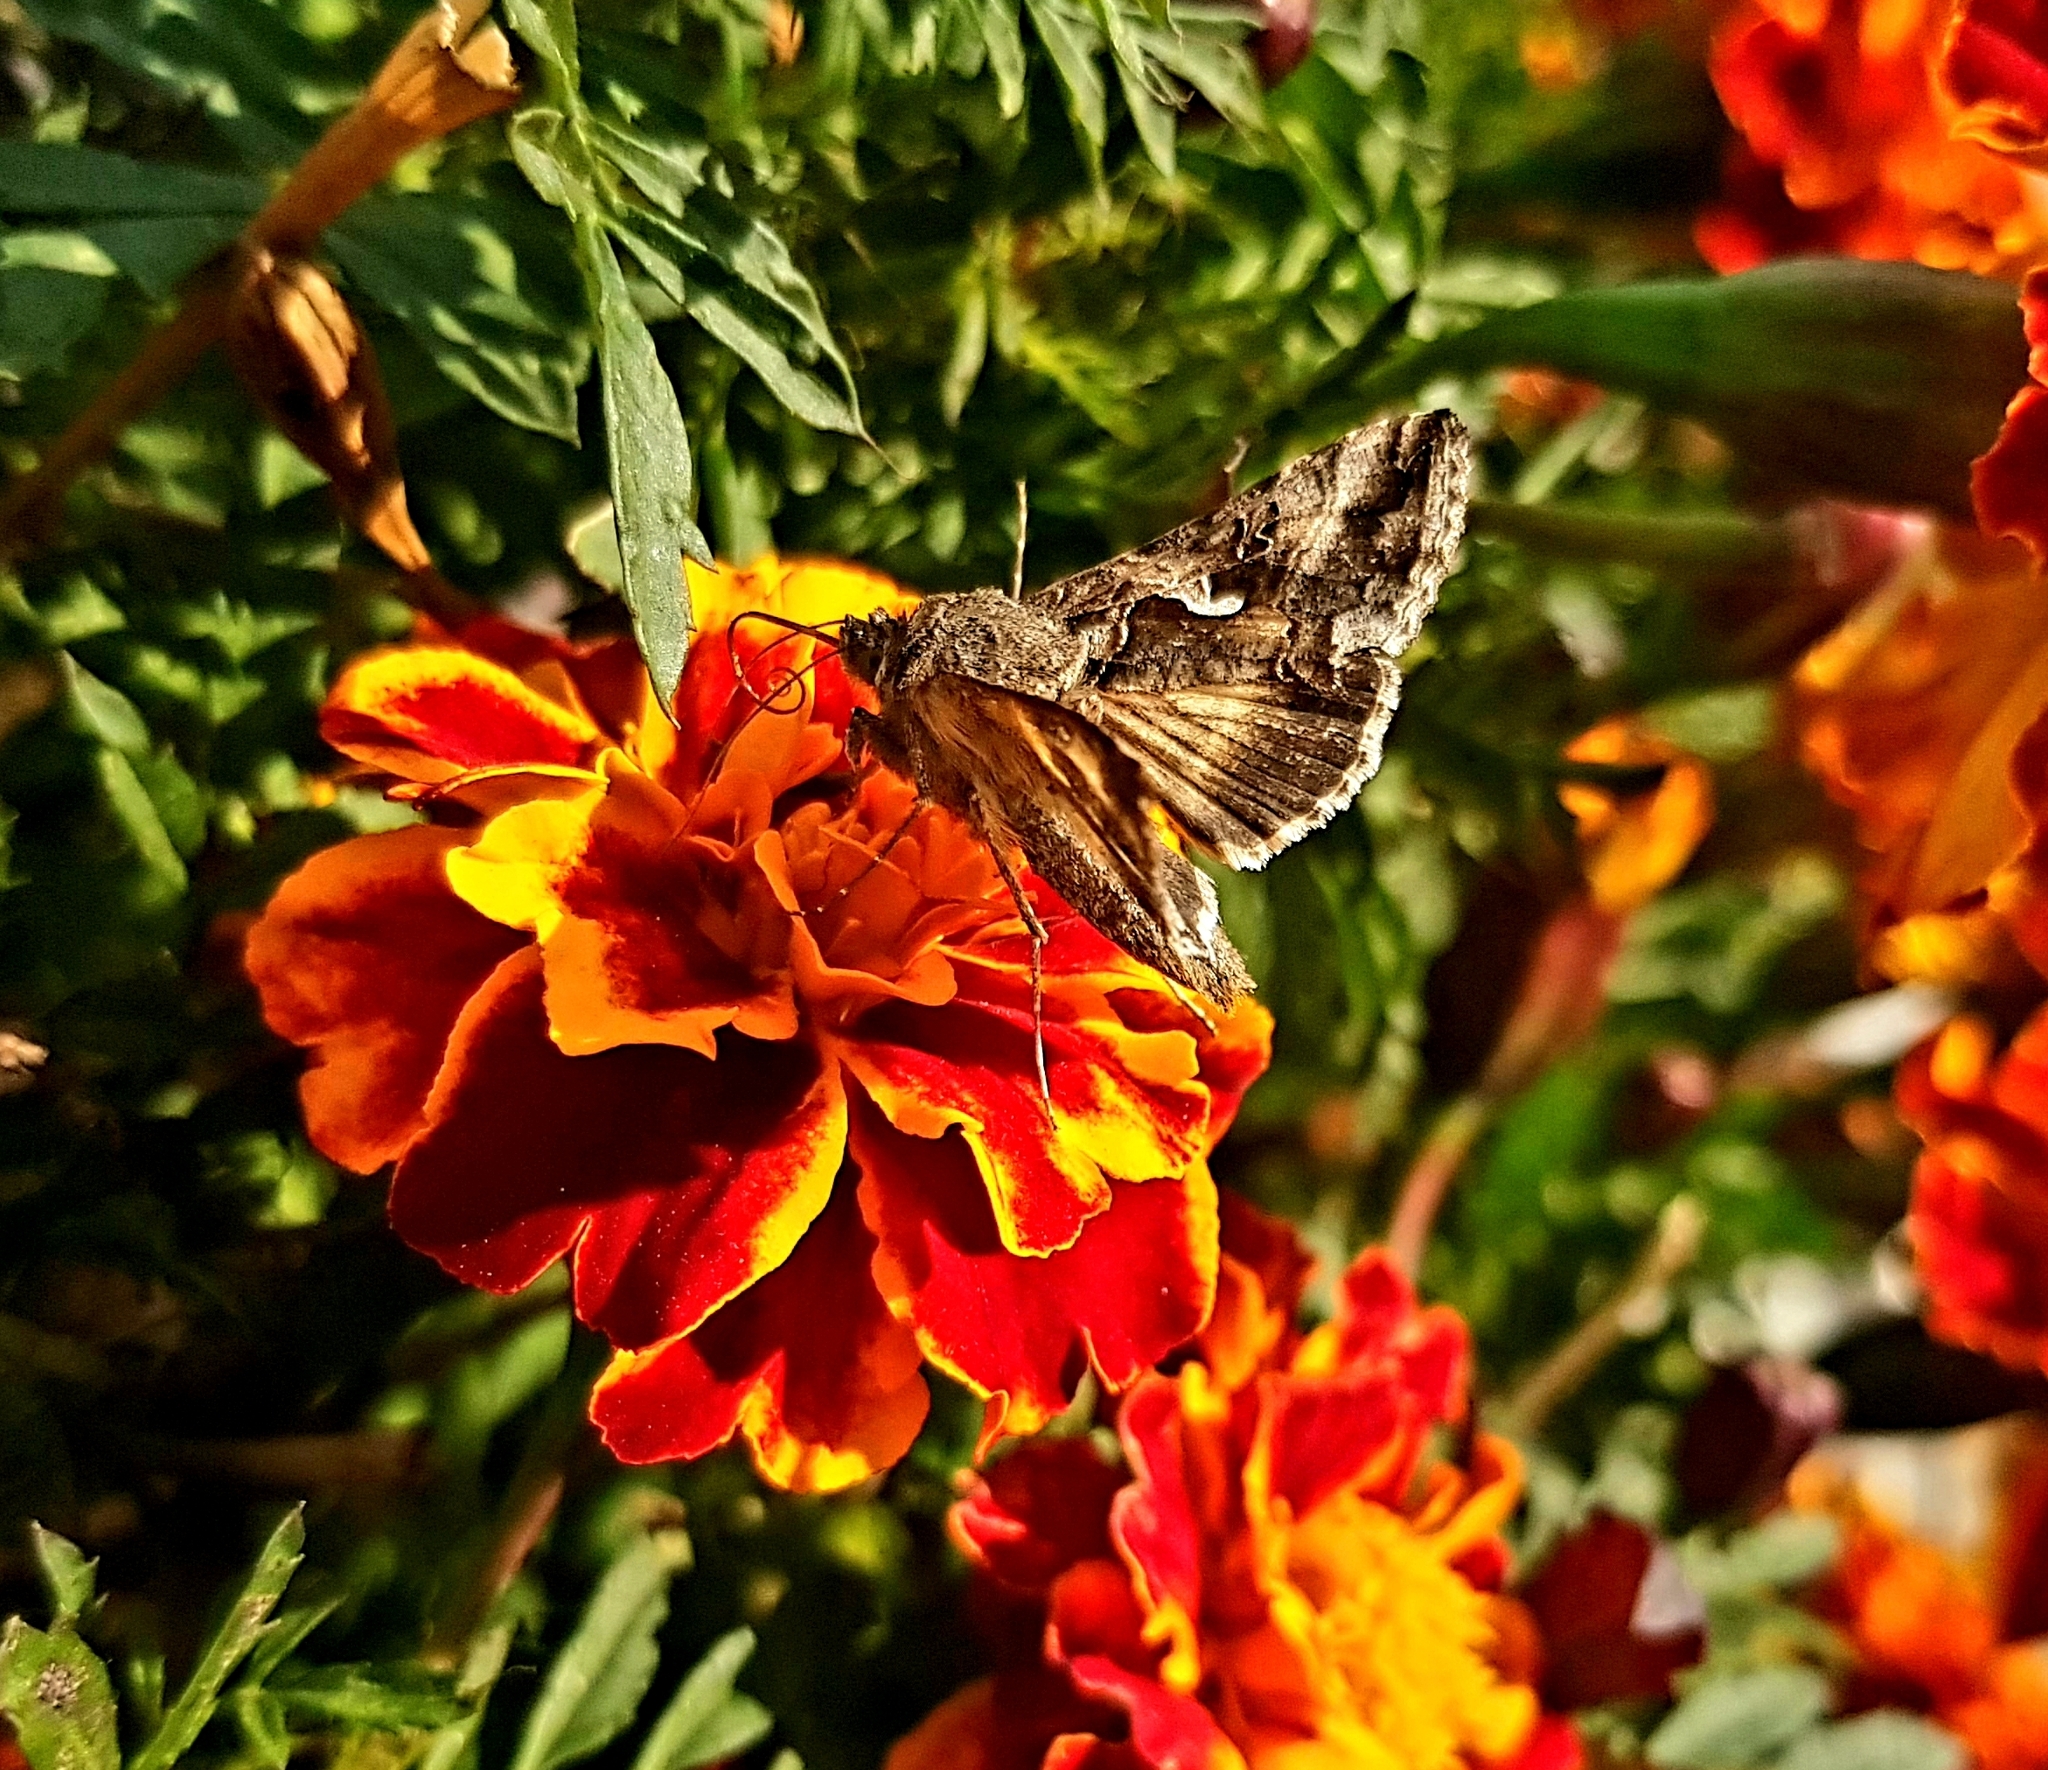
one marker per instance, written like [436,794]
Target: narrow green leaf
[1881,381]
[43,313]
[385,1698]
[1727,1722]
[970,343]
[548,28]
[1005,41]
[648,457]
[802,394]
[707,1721]
[237,1633]
[53,178]
[1071,47]
[260,1718]
[596,1683]
[67,1574]
[1155,121]
[56,1692]
[284,1637]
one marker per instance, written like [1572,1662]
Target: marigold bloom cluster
[1281,1575]
[748,1039]
[1862,130]
[1938,1632]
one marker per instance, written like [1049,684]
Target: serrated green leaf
[235,1636]
[1887,1739]
[648,459]
[707,1721]
[548,28]
[1728,1722]
[67,1575]
[56,1693]
[448,269]
[386,1698]
[1070,46]
[595,1685]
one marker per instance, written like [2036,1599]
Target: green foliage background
[838,306]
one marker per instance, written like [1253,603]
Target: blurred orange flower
[1979,1216]
[667,1000]
[1848,144]
[1633,844]
[1937,1632]
[1283,1575]
[1923,713]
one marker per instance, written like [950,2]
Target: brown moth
[1236,675]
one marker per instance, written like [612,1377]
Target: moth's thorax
[990,638]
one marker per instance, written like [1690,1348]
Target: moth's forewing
[1042,776]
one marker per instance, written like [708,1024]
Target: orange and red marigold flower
[1979,1216]
[1282,1575]
[642,995]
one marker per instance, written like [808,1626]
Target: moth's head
[866,646]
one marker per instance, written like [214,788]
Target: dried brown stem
[445,72]
[1674,1247]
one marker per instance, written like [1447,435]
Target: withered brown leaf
[1234,678]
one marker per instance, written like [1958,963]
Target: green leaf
[260,1718]
[596,1683]
[1725,1723]
[1881,381]
[1887,1739]
[549,30]
[707,1721]
[244,1624]
[1786,1550]
[42,314]
[67,1575]
[385,1698]
[50,178]
[58,1696]
[1005,43]
[648,456]
[1070,44]
[160,251]
[457,272]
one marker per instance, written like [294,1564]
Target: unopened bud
[308,364]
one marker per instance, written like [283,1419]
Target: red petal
[2006,483]
[1126,1103]
[1136,1283]
[366,955]
[1037,1512]
[429,712]
[808,1364]
[1154,1519]
[1982,1251]
[685,1179]
[1995,65]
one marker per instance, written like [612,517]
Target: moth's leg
[1036,929]
[917,809]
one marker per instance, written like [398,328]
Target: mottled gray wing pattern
[1245,660]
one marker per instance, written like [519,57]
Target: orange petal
[679,1181]
[428,712]
[650,936]
[366,956]
[808,1364]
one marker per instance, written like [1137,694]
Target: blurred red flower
[654,997]
[1285,1572]
[1979,1216]
[1844,120]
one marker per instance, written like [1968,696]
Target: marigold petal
[1033,1515]
[428,712]
[1995,66]
[365,955]
[1125,1104]
[650,936]
[1137,1281]
[683,1179]
[1982,1252]
[808,1364]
